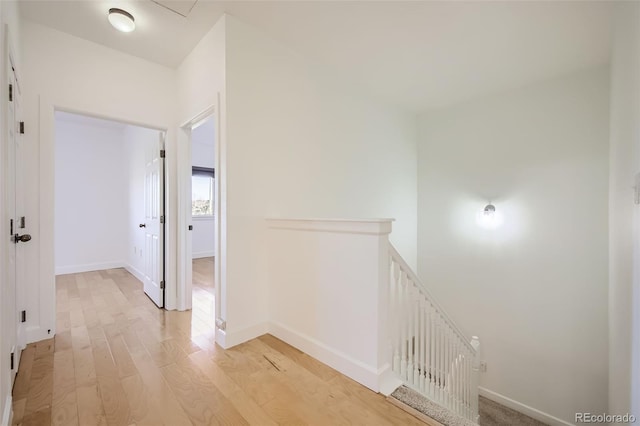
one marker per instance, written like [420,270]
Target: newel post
[387,381]
[475,377]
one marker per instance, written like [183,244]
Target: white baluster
[436,349]
[458,375]
[416,337]
[421,343]
[432,350]
[403,329]
[475,342]
[395,338]
[445,364]
[410,333]
[452,367]
[454,371]
[442,357]
[449,365]
[469,384]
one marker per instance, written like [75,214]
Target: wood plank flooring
[203,300]
[118,360]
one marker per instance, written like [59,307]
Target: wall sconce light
[121,20]
[489,218]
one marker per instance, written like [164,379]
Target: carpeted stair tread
[420,403]
[491,413]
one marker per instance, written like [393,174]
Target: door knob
[21,238]
[142,225]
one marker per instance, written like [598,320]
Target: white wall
[201,85]
[203,155]
[81,76]
[100,168]
[624,217]
[90,231]
[329,285]
[134,140]
[299,146]
[535,289]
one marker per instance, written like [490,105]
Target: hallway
[119,360]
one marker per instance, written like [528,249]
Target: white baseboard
[231,338]
[7,414]
[35,333]
[358,371]
[202,254]
[348,366]
[75,269]
[135,272]
[388,380]
[221,338]
[522,408]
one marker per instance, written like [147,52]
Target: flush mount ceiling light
[122,20]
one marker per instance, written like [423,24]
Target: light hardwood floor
[203,300]
[118,360]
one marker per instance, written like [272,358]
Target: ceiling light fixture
[122,20]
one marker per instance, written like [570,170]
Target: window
[202,191]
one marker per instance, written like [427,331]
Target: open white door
[154,221]
[9,291]
[13,292]
[22,225]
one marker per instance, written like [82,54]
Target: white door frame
[47,296]
[185,252]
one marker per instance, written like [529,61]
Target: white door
[23,225]
[10,317]
[154,221]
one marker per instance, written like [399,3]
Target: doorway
[109,199]
[203,226]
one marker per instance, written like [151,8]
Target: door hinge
[22,222]
[11,361]
[190,227]
[161,285]
[22,127]
[10,92]
[162,219]
[162,153]
[23,316]
[11,227]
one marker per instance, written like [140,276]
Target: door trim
[46,284]
[185,252]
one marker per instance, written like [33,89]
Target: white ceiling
[162,35]
[416,55]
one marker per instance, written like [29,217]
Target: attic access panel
[181,7]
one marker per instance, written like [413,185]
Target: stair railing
[429,352]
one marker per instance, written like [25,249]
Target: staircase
[429,353]
[340,292]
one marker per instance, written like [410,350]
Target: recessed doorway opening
[203,226]
[109,199]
